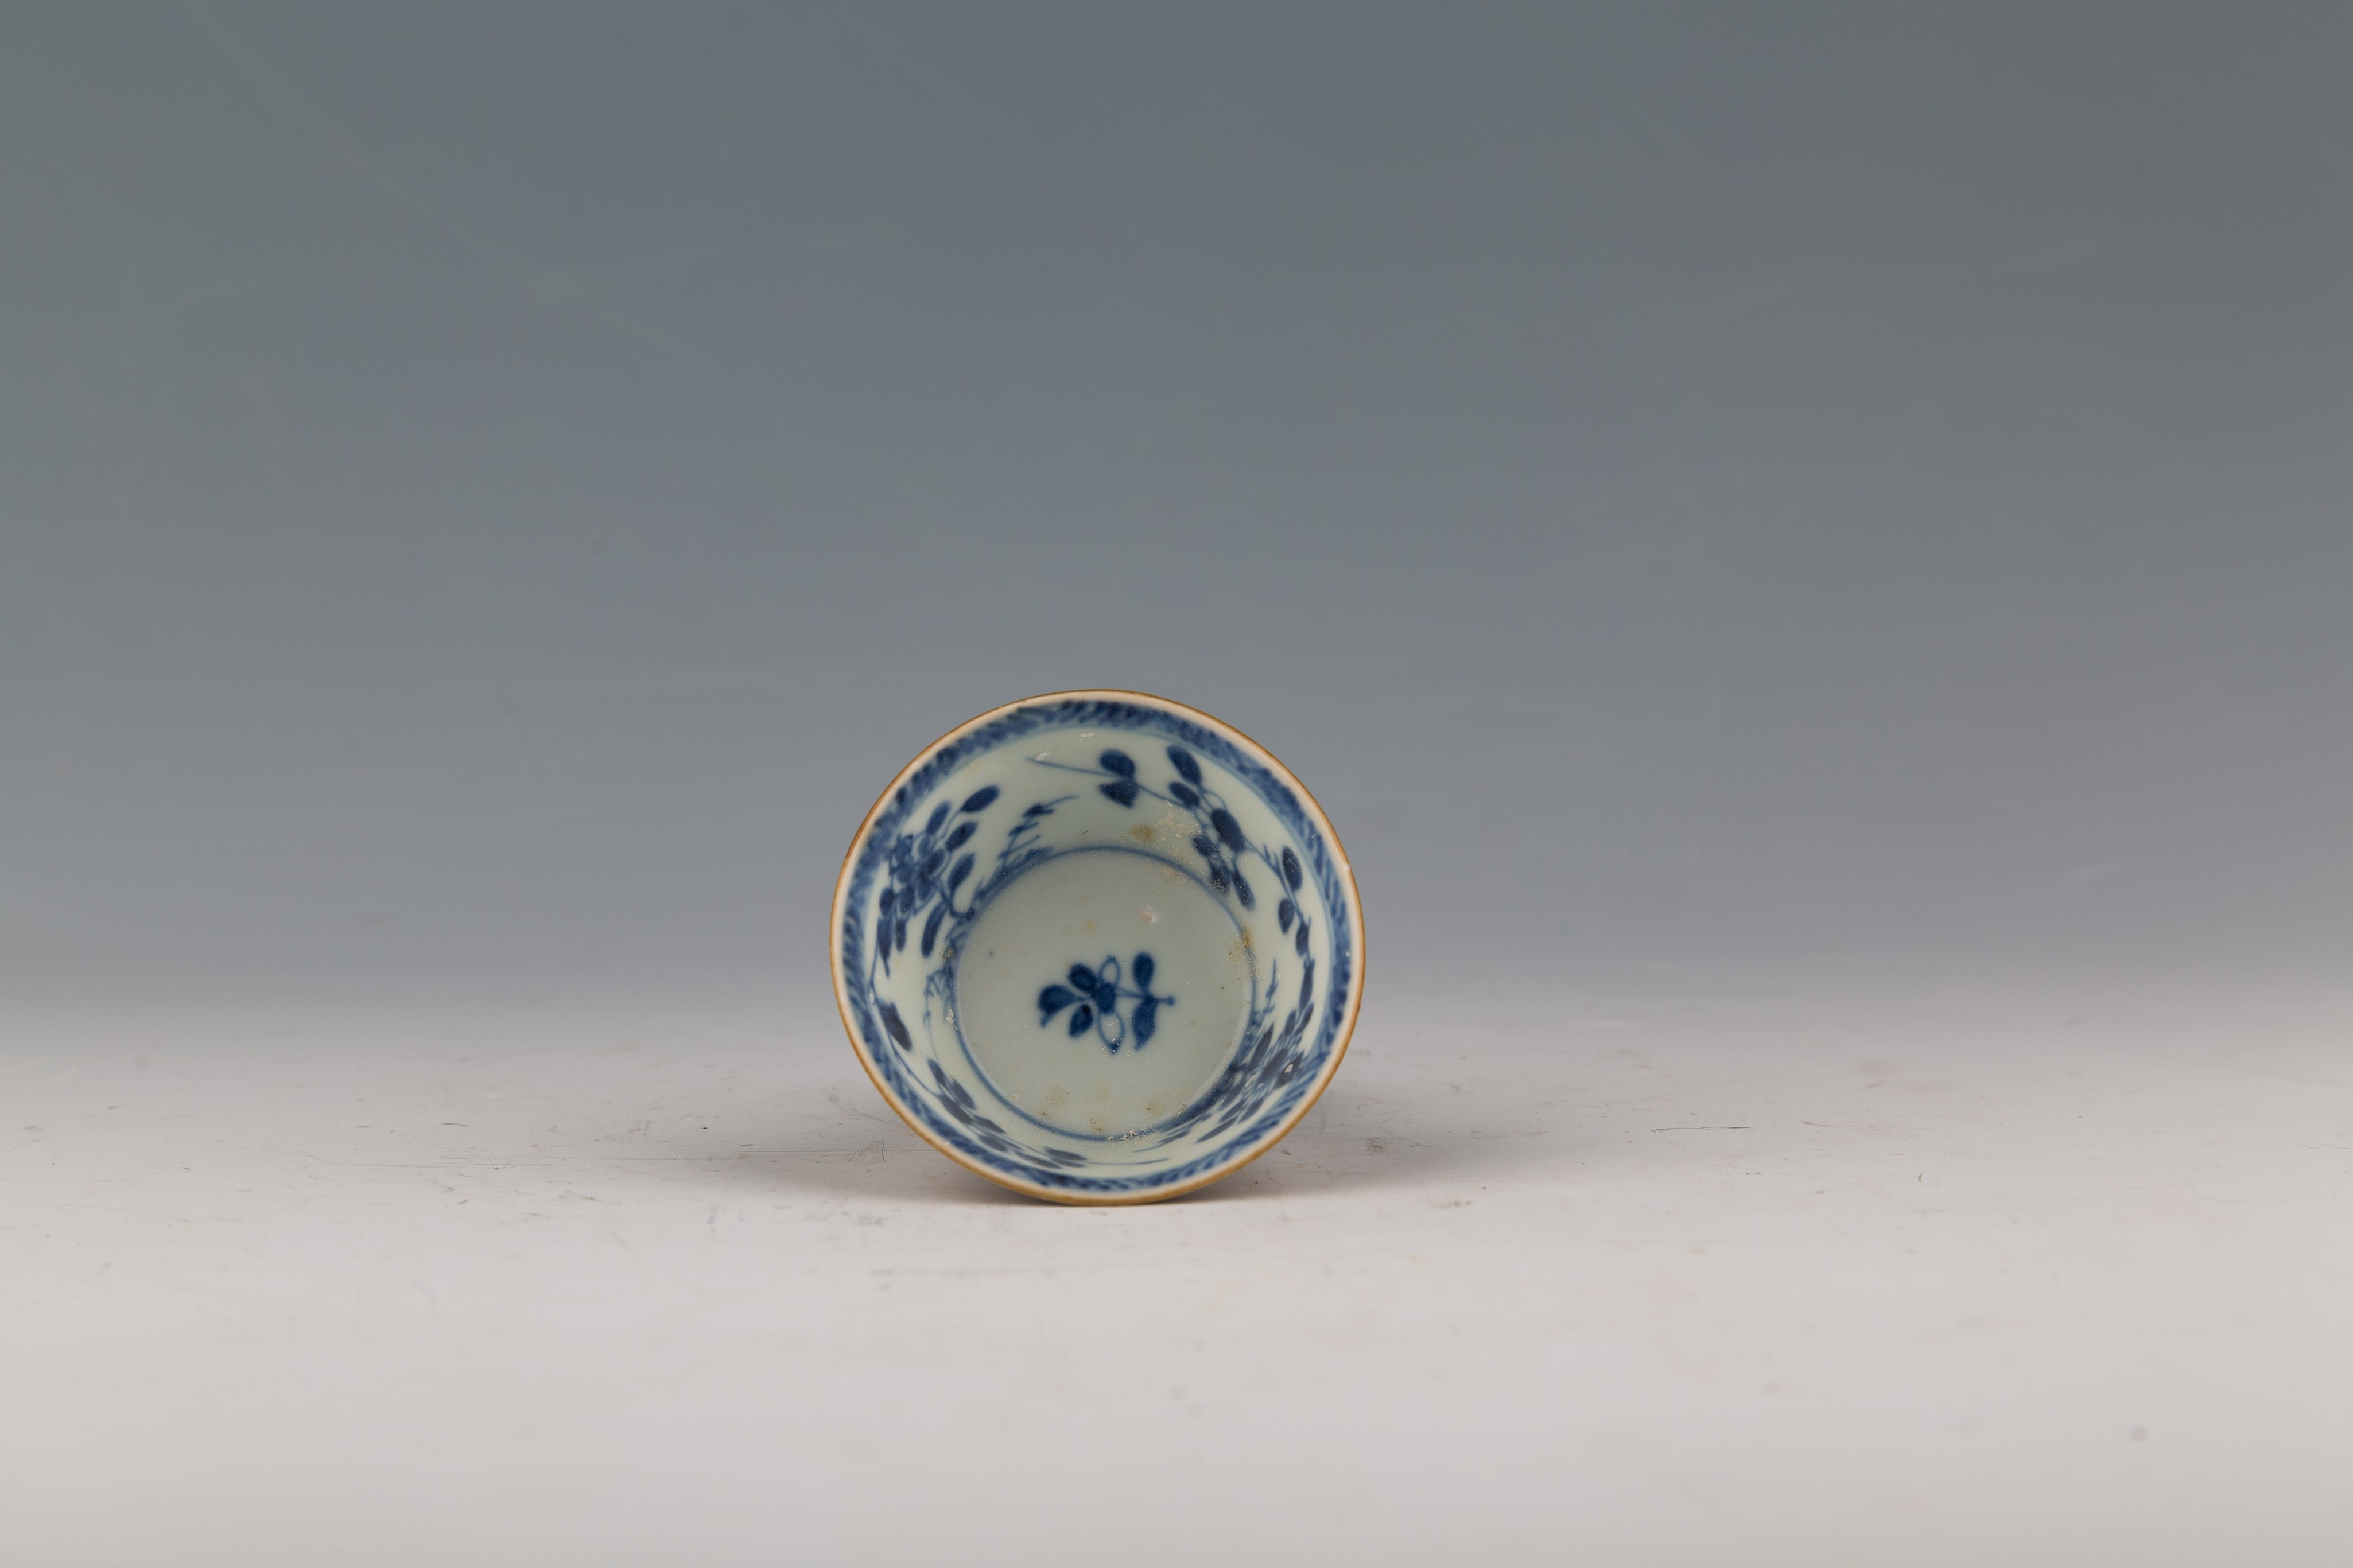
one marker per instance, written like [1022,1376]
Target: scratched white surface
[1804,1280]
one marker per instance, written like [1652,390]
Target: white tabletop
[1798,1280]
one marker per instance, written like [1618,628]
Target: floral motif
[1098,993]
[1217,837]
[1281,1058]
[918,883]
[1272,1054]
[921,879]
[1270,1057]
[959,1102]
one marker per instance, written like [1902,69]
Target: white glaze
[1098,946]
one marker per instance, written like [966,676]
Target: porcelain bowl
[1098,947]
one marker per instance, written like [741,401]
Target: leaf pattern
[1220,841]
[917,884]
[917,888]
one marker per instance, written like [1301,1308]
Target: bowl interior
[1097,946]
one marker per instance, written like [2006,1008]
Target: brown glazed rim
[1090,1200]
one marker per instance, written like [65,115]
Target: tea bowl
[1098,947]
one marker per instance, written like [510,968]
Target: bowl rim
[1314,809]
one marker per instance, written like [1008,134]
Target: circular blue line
[955,1010]
[1084,713]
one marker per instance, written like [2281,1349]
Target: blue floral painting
[932,858]
[1096,998]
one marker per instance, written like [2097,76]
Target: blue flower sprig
[1098,994]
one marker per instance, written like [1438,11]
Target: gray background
[1708,496]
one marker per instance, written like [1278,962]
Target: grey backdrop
[1706,495]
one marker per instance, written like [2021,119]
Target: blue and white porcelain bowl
[1098,947]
